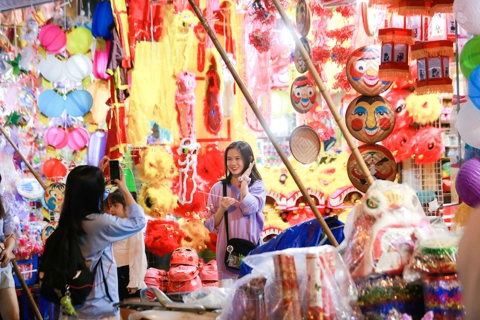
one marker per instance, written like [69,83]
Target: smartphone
[114,170]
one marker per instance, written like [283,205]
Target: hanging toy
[66,303]
[188,152]
[228,94]
[185,103]
[211,111]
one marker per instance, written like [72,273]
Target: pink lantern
[78,139]
[100,60]
[52,38]
[56,137]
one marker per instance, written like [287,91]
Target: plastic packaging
[384,229]
[434,256]
[209,297]
[297,283]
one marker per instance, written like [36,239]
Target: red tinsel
[346,11]
[261,40]
[342,34]
[340,54]
[319,11]
[320,54]
[162,237]
[342,82]
[212,114]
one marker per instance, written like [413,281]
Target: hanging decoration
[212,114]
[433,75]
[379,160]
[303,94]
[362,71]
[370,119]
[52,38]
[467,13]
[185,101]
[187,163]
[395,53]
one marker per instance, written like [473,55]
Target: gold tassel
[393,74]
[429,89]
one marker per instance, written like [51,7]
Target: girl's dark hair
[117,197]
[83,196]
[247,155]
[2,210]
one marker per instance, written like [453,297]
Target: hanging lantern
[78,139]
[395,53]
[441,6]
[382,3]
[56,137]
[54,169]
[78,103]
[433,75]
[411,7]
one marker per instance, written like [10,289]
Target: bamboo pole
[18,273]
[262,121]
[326,96]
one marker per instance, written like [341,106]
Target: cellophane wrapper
[298,283]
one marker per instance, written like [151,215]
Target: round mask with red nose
[303,94]
[370,119]
[362,71]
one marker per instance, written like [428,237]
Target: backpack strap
[104,279]
[224,184]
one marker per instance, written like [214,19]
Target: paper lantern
[78,139]
[79,40]
[96,147]
[78,103]
[100,92]
[56,137]
[52,38]
[100,59]
[411,7]
[52,69]
[78,67]
[50,103]
[102,20]
[362,71]
[467,182]
[54,169]
[370,119]
[423,109]
[467,13]
[467,124]
[441,6]
[433,69]
[474,87]
[395,53]
[470,56]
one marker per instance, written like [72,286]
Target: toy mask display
[302,18]
[370,119]
[379,161]
[300,64]
[184,256]
[209,271]
[362,71]
[54,195]
[303,94]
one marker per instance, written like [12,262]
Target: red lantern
[411,7]
[441,6]
[433,74]
[54,169]
[395,53]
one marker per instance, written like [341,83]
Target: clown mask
[370,119]
[362,71]
[303,94]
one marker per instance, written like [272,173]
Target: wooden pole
[262,121]
[326,96]
[18,273]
